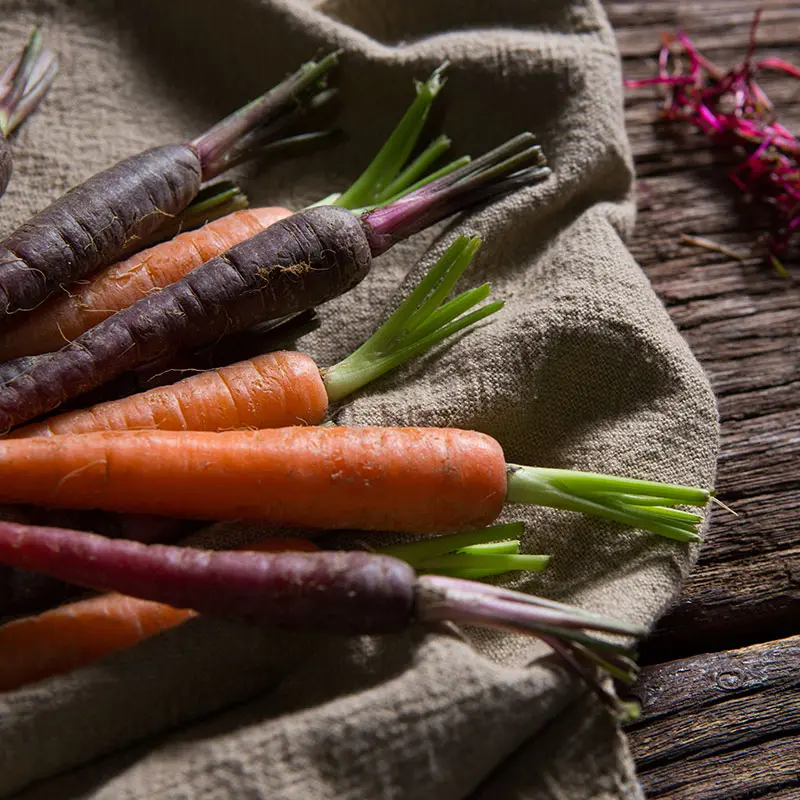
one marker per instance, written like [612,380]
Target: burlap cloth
[582,369]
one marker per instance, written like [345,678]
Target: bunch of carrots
[250,440]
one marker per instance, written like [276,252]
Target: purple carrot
[107,216]
[293,265]
[23,592]
[23,84]
[333,592]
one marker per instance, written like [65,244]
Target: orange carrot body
[418,480]
[74,635]
[274,390]
[70,636]
[66,316]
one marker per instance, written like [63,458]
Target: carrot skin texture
[275,390]
[95,223]
[331,592]
[67,315]
[417,480]
[297,263]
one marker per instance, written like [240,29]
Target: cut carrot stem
[232,139]
[641,504]
[24,83]
[212,202]
[415,171]
[510,547]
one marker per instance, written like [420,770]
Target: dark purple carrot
[296,264]
[24,592]
[104,218]
[23,84]
[334,592]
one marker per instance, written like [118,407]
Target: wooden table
[720,691]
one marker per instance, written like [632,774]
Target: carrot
[66,316]
[71,636]
[285,388]
[76,634]
[333,592]
[23,85]
[269,391]
[82,305]
[417,480]
[116,287]
[99,221]
[27,593]
[297,263]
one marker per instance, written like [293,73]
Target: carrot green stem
[236,136]
[333,199]
[432,546]
[382,182]
[471,554]
[641,504]
[25,82]
[434,176]
[415,170]
[212,202]
[508,547]
[579,660]
[496,564]
[519,162]
[471,601]
[384,168]
[420,322]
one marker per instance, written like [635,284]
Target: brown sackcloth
[582,369]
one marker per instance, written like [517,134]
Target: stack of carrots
[250,440]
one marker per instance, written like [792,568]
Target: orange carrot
[286,388]
[66,316]
[74,635]
[270,391]
[417,480]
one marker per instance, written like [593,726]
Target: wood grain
[723,722]
[723,726]
[742,321]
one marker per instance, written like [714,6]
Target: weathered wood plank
[721,727]
[741,319]
[724,726]
[753,599]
